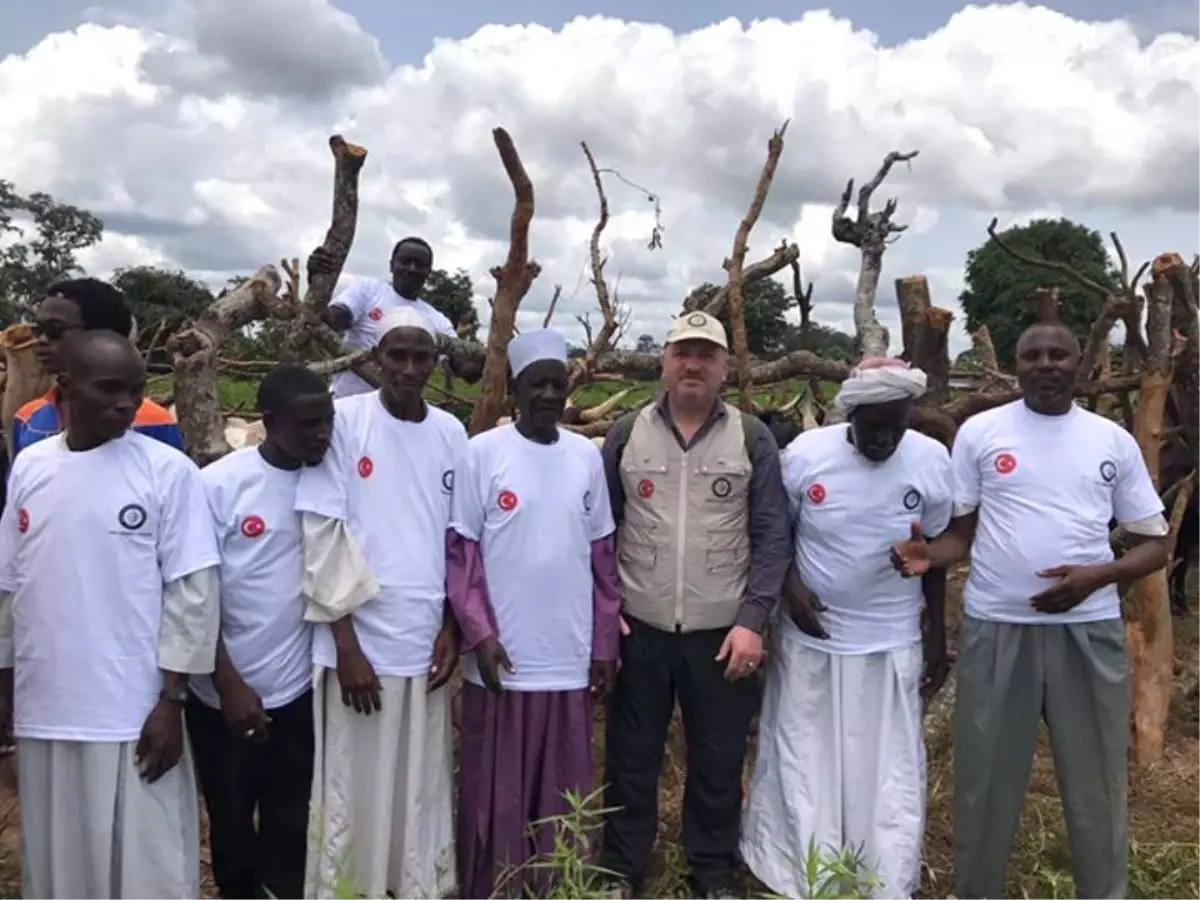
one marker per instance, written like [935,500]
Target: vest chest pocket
[724,481]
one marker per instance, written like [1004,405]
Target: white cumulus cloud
[207,153]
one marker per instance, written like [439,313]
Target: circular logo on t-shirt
[721,487]
[1006,463]
[816,493]
[253,526]
[448,481]
[22,520]
[1108,470]
[645,488]
[365,467]
[507,501]
[587,501]
[912,499]
[697,320]
[375,314]
[132,517]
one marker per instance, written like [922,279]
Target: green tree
[160,298]
[646,344]
[451,295]
[42,238]
[765,302]
[999,289]
[823,341]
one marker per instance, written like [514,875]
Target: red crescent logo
[253,526]
[365,467]
[375,314]
[645,488]
[816,493]
[507,501]
[23,520]
[1006,463]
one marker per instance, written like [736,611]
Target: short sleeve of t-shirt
[356,298]
[964,465]
[438,320]
[322,488]
[218,501]
[793,474]
[187,541]
[9,541]
[939,492]
[600,519]
[466,502]
[1134,496]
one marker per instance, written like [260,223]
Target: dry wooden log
[913,298]
[513,280]
[981,340]
[871,232]
[735,268]
[1148,631]
[933,354]
[195,349]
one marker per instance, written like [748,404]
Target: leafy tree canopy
[999,288]
[451,296]
[765,302]
[41,240]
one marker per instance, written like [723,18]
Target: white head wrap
[529,347]
[880,380]
[403,317]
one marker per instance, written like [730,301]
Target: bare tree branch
[513,280]
[553,303]
[783,256]
[597,345]
[1049,264]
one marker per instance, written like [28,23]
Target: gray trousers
[1009,678]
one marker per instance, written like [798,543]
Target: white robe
[381,817]
[90,826]
[840,763]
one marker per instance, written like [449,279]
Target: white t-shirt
[87,541]
[262,564]
[848,512]
[1046,488]
[535,510]
[367,301]
[391,482]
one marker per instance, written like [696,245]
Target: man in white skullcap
[534,585]
[841,759]
[381,815]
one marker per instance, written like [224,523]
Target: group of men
[284,621]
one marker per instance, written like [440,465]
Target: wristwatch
[175,695]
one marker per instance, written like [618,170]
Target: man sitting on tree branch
[1036,483]
[357,310]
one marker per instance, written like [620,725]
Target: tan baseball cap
[698,326]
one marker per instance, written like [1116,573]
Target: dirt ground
[1164,809]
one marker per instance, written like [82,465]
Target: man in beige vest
[703,546]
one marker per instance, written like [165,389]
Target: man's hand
[321,262]
[624,626]
[491,657]
[601,675]
[937,664]
[805,607]
[161,743]
[360,685]
[911,557]
[445,657]
[243,711]
[1077,584]
[743,649]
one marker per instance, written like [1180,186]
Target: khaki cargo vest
[683,548]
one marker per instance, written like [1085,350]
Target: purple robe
[519,752]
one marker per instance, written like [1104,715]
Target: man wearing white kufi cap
[534,586]
[381,813]
[841,759]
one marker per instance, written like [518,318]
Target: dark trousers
[657,668]
[274,778]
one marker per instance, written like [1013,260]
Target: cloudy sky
[197,129]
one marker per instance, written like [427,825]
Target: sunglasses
[51,330]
